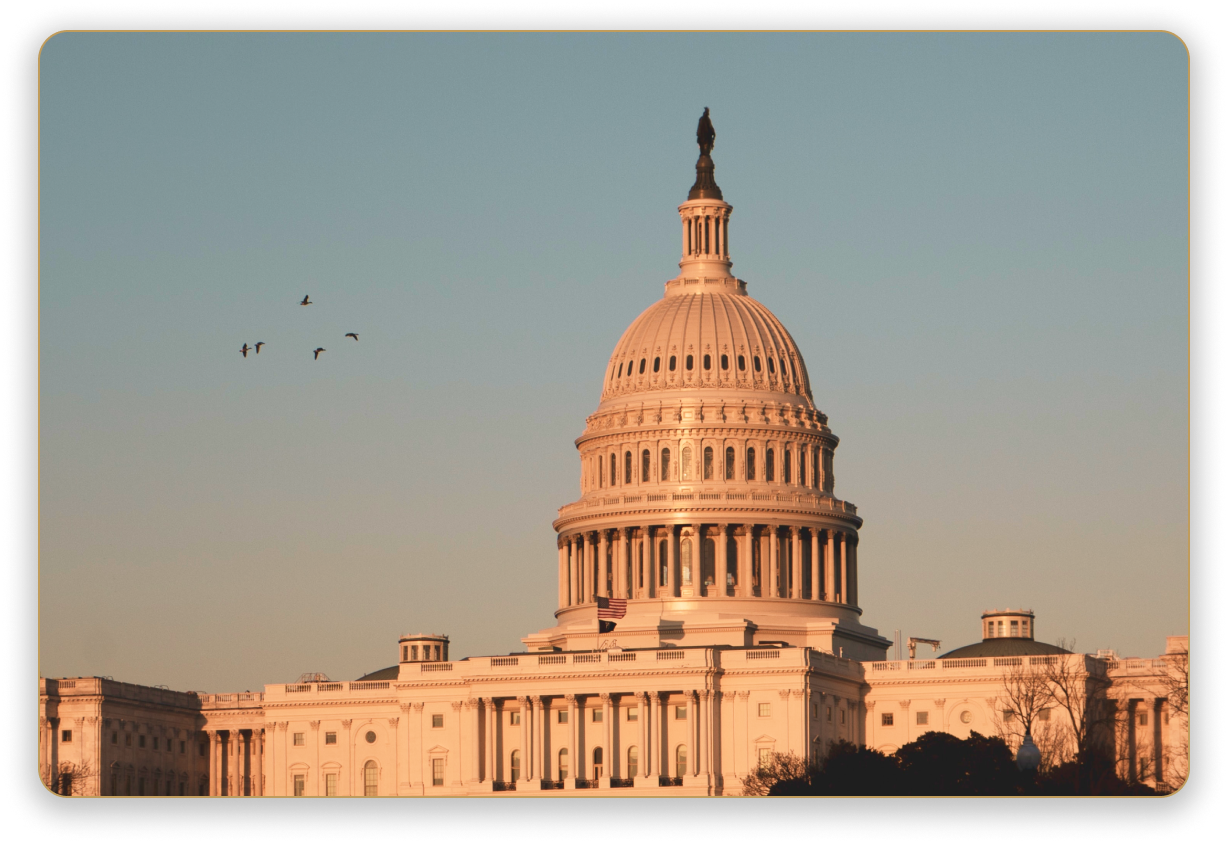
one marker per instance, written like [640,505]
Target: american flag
[611,607]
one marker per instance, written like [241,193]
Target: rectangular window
[436,722]
[598,715]
[414,649]
[436,772]
[680,713]
[923,718]
[842,716]
[1142,719]
[330,738]
[330,785]
[1014,628]
[765,756]
[155,747]
[183,747]
[66,736]
[1008,716]
[633,713]
[141,741]
[204,749]
[765,710]
[829,714]
[888,719]
[514,717]
[300,785]
[1044,715]
[114,738]
[562,716]
[299,741]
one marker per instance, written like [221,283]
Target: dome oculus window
[370,737]
[690,362]
[707,362]
[656,364]
[643,363]
[673,362]
[724,361]
[758,366]
[771,366]
[741,363]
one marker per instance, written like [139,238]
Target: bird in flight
[246,348]
[317,353]
[307,300]
[352,334]
[258,345]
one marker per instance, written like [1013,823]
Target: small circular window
[370,737]
[965,717]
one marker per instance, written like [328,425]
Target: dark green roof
[389,673]
[1004,647]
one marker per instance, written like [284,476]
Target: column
[608,752]
[654,749]
[746,552]
[796,564]
[772,588]
[257,761]
[721,564]
[641,701]
[649,567]
[456,769]
[844,571]
[705,767]
[604,553]
[852,570]
[215,763]
[573,589]
[741,738]
[539,725]
[671,569]
[488,775]
[523,701]
[419,757]
[692,717]
[405,747]
[829,567]
[563,591]
[346,784]
[573,760]
[586,572]
[816,568]
[473,750]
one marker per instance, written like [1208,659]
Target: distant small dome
[389,673]
[1004,647]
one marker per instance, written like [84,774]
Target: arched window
[708,463]
[633,762]
[645,467]
[814,459]
[673,362]
[771,366]
[515,766]
[627,468]
[690,362]
[686,463]
[663,563]
[784,367]
[801,466]
[758,368]
[613,470]
[656,364]
[750,464]
[563,770]
[686,562]
[788,467]
[707,362]
[600,472]
[729,463]
[741,363]
[620,371]
[769,467]
[724,361]
[370,779]
[598,763]
[680,761]
[643,361]
[665,464]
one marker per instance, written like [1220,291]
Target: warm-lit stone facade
[707,504]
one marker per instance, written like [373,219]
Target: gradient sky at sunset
[978,241]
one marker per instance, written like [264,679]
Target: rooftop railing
[819,502]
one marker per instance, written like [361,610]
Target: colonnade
[706,233]
[744,560]
[236,762]
[557,755]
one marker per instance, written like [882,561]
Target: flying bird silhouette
[317,357]
[246,348]
[258,345]
[352,334]
[307,300]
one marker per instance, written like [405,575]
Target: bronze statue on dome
[705,134]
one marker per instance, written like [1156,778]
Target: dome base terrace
[722,622]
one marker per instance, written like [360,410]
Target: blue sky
[979,242]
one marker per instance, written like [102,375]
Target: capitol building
[709,537]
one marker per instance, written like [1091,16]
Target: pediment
[438,749]
[765,740]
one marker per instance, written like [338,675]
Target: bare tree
[777,768]
[75,780]
[1079,687]
[1027,701]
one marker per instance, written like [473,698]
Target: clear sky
[978,241]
